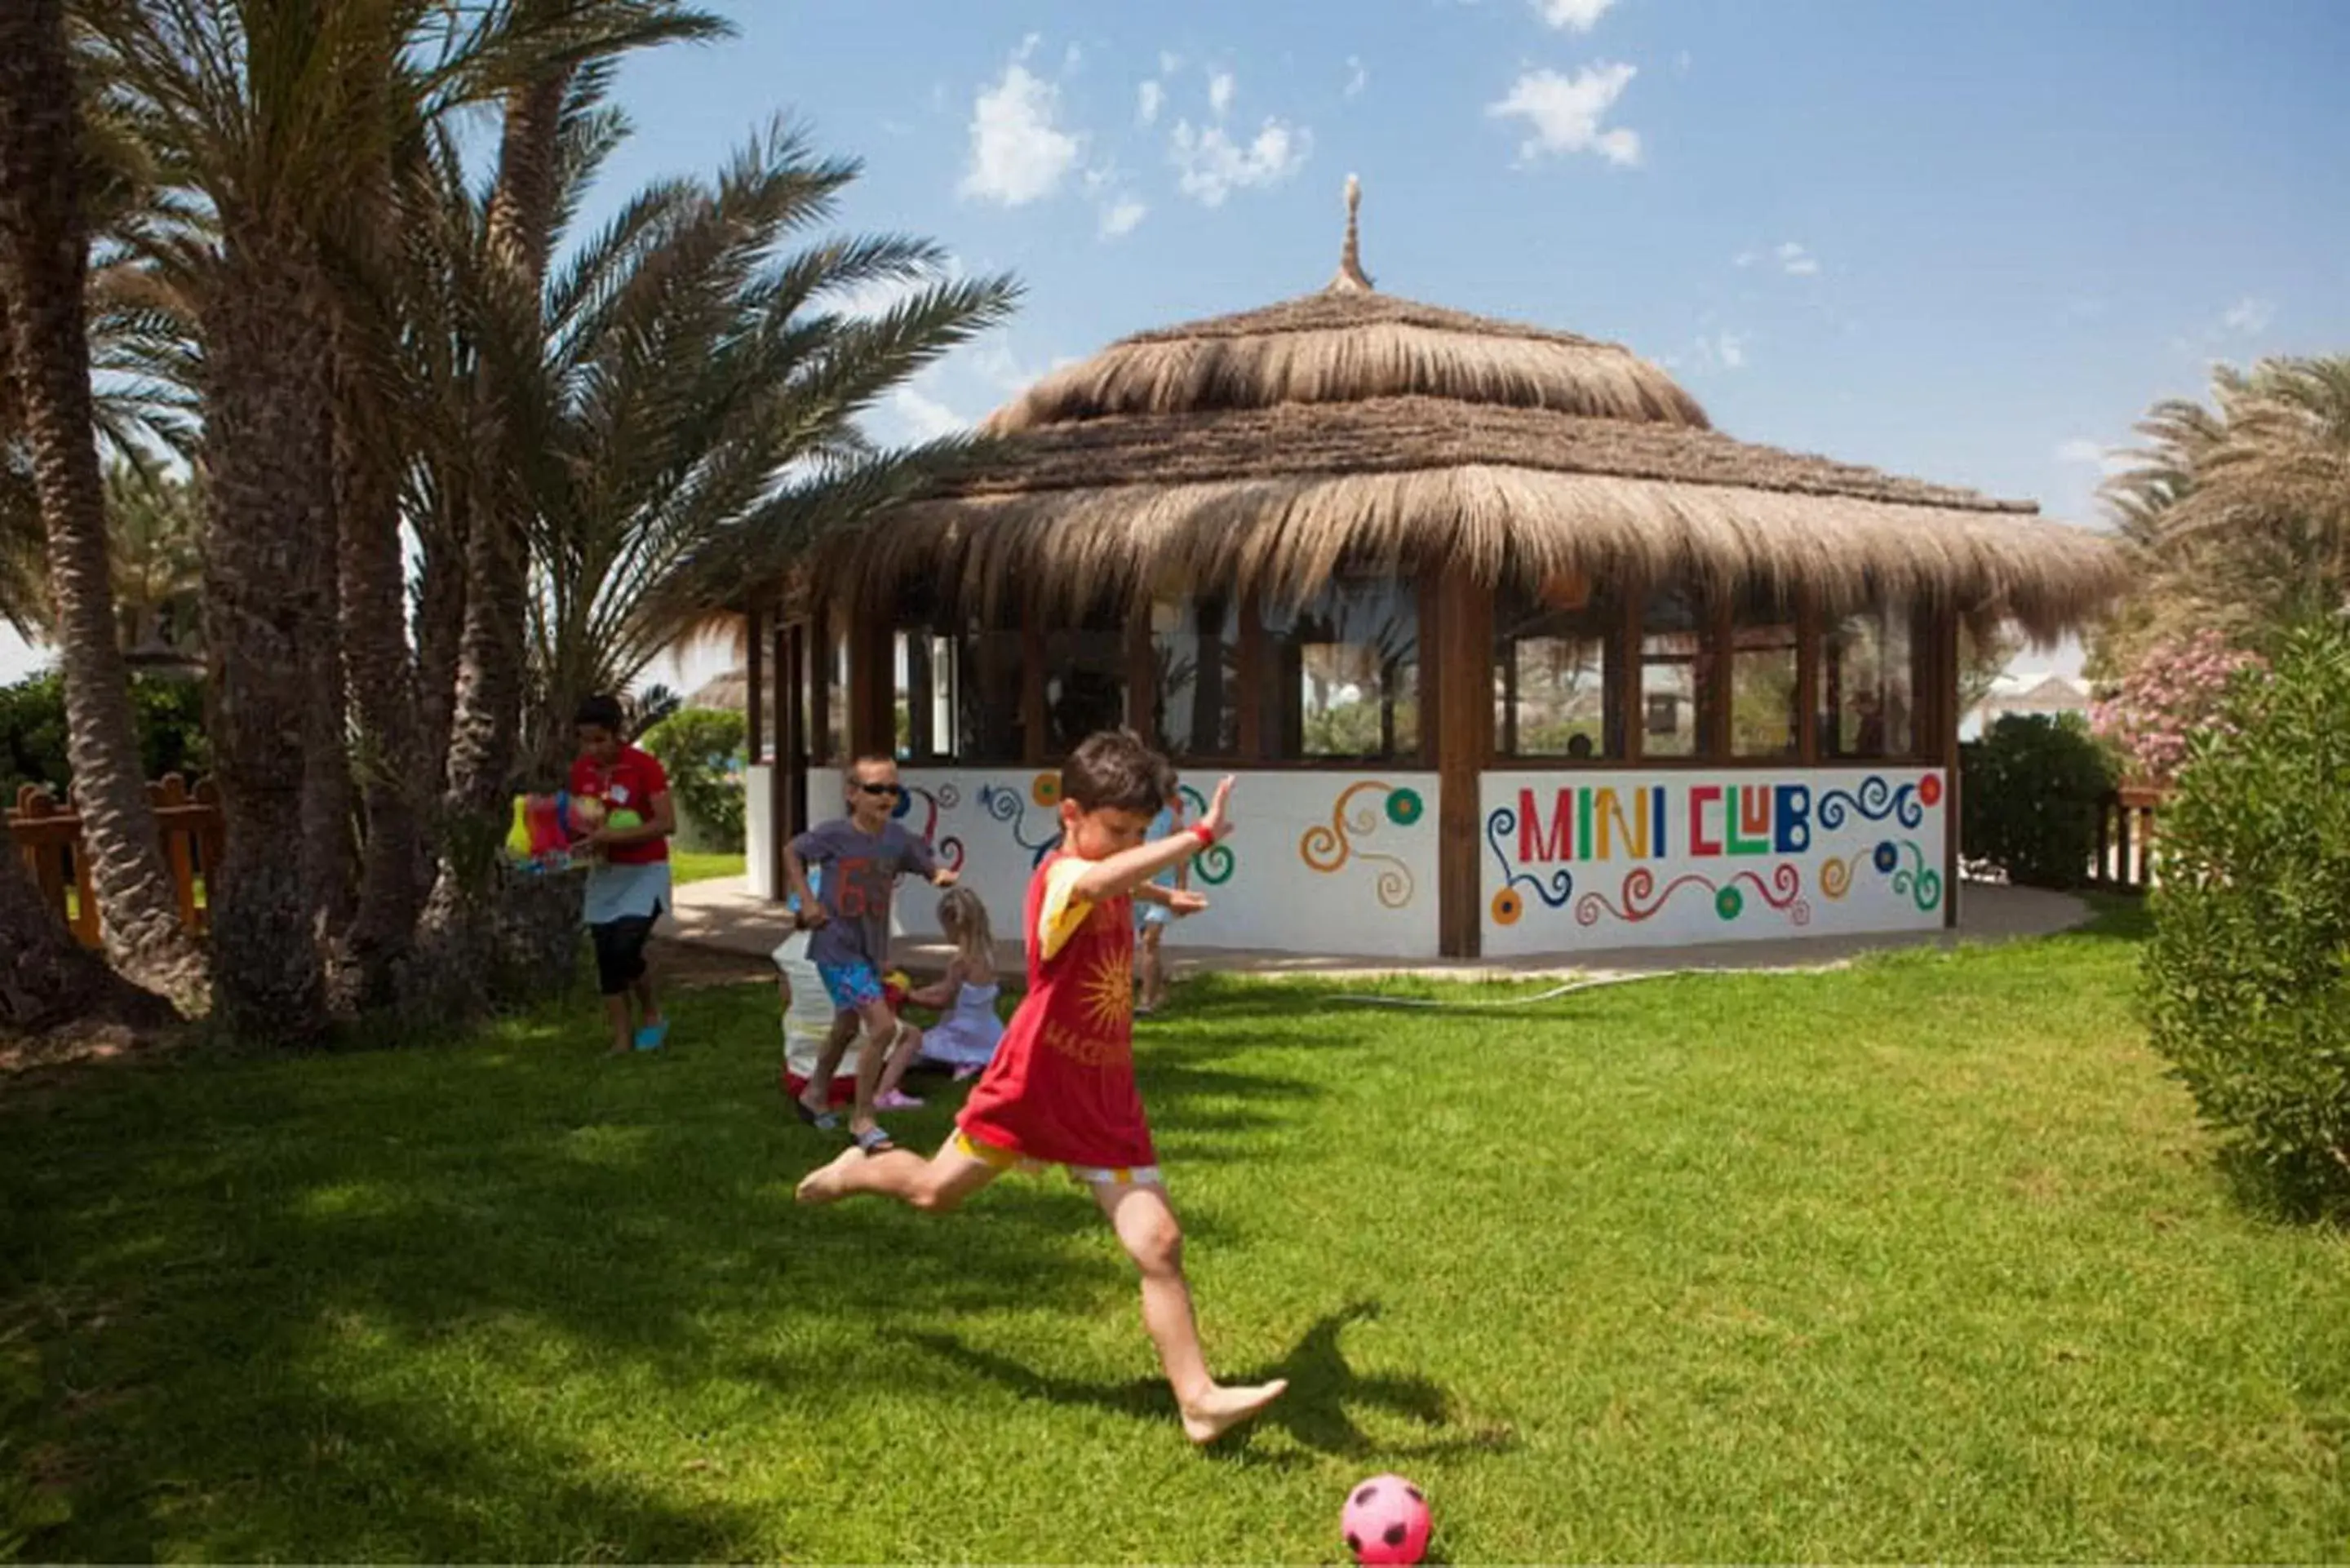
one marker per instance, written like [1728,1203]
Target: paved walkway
[723,916]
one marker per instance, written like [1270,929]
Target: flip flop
[897,1100]
[823,1121]
[875,1140]
[653,1036]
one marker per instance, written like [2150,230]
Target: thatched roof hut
[1263,449]
[1517,653]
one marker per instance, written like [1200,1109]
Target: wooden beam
[1141,679]
[1944,748]
[1462,643]
[818,655]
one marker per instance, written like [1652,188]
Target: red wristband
[1204,834]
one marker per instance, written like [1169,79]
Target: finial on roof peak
[1351,278]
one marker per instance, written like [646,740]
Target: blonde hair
[962,914]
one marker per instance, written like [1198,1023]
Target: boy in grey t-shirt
[863,855]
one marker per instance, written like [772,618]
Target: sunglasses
[881,789]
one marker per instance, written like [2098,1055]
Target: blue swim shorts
[850,985]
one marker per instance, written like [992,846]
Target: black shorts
[620,952]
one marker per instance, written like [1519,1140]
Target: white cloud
[1121,216]
[1746,259]
[1170,62]
[1797,262]
[1563,113]
[2249,317]
[1577,16]
[1221,87]
[1711,351]
[1357,76]
[1018,154]
[1732,350]
[1149,98]
[926,418]
[1209,165]
[2094,454]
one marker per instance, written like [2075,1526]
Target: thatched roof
[1352,427]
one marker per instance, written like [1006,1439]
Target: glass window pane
[1763,706]
[1553,695]
[1868,681]
[1084,680]
[926,703]
[1195,674]
[1347,672]
[1676,673]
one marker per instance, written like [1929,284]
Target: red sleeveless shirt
[1061,1086]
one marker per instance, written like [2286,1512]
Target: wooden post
[786,780]
[1718,658]
[818,657]
[1142,678]
[1463,716]
[1945,746]
[755,712]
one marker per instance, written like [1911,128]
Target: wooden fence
[48,835]
[2125,839]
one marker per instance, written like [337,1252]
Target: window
[991,726]
[1553,662]
[1345,673]
[1676,673]
[1764,708]
[1867,684]
[927,710]
[1085,680]
[1195,677]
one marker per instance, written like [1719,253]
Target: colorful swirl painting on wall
[946,797]
[1329,847]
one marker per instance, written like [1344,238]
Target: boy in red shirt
[1061,1089]
[629,889]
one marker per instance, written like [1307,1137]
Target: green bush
[701,749]
[2028,799]
[2248,976]
[169,714]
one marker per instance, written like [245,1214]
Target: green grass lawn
[691,866]
[1920,1260]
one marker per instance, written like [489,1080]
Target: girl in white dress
[966,1034]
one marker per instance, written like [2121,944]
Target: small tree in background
[2029,801]
[2248,976]
[2175,690]
[701,749]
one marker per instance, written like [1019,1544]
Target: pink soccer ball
[1385,1521]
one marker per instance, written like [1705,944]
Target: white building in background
[2026,692]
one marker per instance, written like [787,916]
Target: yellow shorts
[997,1158]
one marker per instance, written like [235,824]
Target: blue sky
[1966,242]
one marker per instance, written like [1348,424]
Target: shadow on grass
[1319,1411]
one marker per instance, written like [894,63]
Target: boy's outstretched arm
[1123,873]
[812,913]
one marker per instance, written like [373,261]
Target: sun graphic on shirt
[1107,993]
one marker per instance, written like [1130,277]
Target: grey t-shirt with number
[860,870]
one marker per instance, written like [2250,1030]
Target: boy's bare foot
[1224,1408]
[822,1185]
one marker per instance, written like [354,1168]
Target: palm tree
[2238,513]
[270,113]
[693,422]
[44,261]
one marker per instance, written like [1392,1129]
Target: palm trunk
[489,684]
[44,256]
[439,632]
[328,806]
[47,979]
[381,677]
[266,401]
